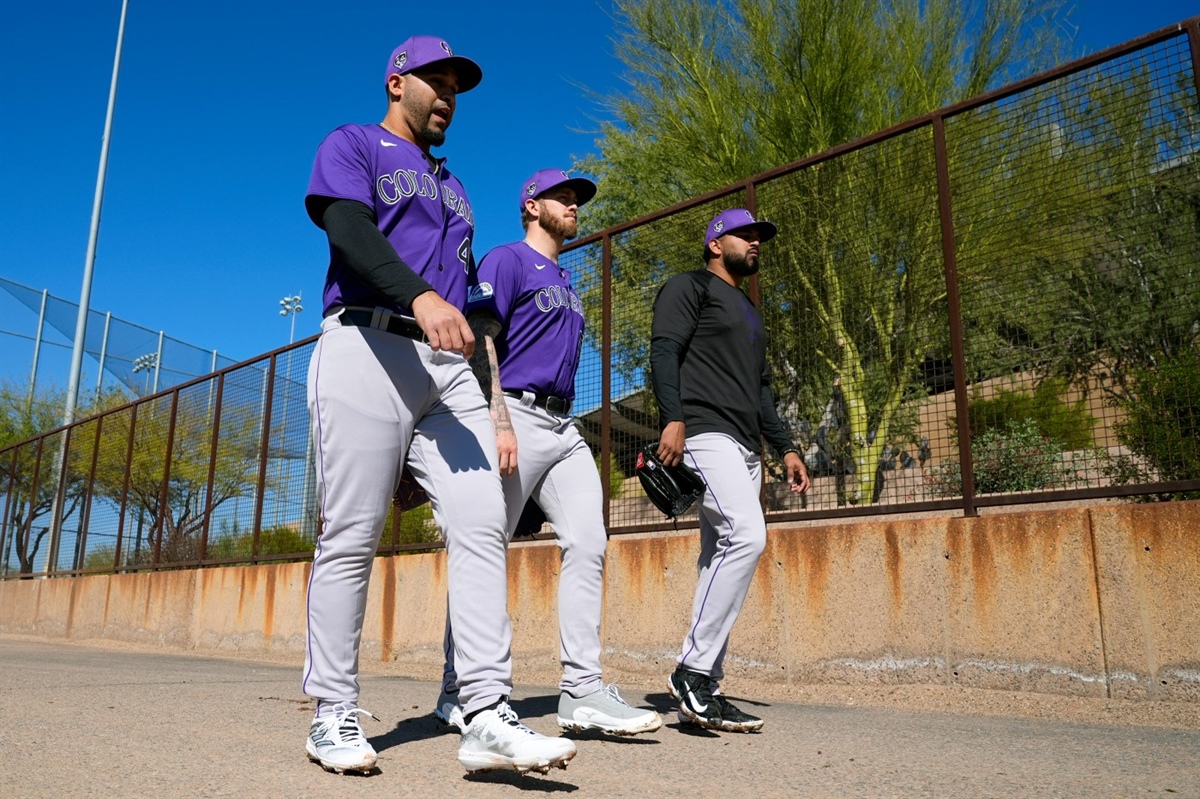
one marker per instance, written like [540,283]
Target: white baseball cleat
[336,741]
[496,739]
[606,711]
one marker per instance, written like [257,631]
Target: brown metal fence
[996,303]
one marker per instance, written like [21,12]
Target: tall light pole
[288,306]
[85,294]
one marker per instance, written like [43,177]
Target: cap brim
[468,72]
[766,230]
[584,189]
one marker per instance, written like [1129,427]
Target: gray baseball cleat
[606,711]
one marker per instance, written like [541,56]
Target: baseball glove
[672,489]
[409,493]
[531,521]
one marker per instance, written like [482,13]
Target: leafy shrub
[271,541]
[223,546]
[1067,423]
[1161,427]
[416,527]
[616,477]
[1017,457]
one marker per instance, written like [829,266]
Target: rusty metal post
[125,489]
[56,520]
[606,375]
[954,308]
[163,511]
[5,534]
[1192,26]
[214,442]
[85,515]
[264,443]
[33,487]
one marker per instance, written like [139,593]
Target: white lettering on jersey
[403,183]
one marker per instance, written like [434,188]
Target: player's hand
[443,324]
[506,448]
[797,474]
[671,443]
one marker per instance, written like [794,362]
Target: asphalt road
[85,721]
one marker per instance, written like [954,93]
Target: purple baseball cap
[736,219]
[544,180]
[421,51]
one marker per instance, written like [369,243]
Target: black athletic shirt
[709,362]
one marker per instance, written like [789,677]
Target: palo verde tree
[852,290]
[30,468]
[174,494]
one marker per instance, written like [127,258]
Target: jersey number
[464,254]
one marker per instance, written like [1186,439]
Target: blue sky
[220,109]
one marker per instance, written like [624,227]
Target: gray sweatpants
[556,468]
[376,398]
[733,534]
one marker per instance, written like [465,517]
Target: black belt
[560,405]
[400,325]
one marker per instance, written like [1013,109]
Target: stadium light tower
[144,363]
[290,306]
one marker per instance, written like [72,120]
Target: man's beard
[434,138]
[741,265]
[557,225]
[428,134]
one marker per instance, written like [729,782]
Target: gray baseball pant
[556,468]
[376,398]
[733,534]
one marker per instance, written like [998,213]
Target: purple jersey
[421,208]
[542,319]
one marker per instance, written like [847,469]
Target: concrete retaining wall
[1091,602]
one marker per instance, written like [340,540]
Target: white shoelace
[614,694]
[346,723]
[509,717]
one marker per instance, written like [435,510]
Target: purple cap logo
[446,47]
[718,227]
[531,189]
[401,58]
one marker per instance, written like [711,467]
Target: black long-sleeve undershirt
[664,375]
[359,244]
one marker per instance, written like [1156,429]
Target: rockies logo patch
[531,189]
[401,59]
[479,293]
[717,228]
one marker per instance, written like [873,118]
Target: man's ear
[395,86]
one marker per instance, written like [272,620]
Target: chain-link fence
[140,360]
[997,303]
